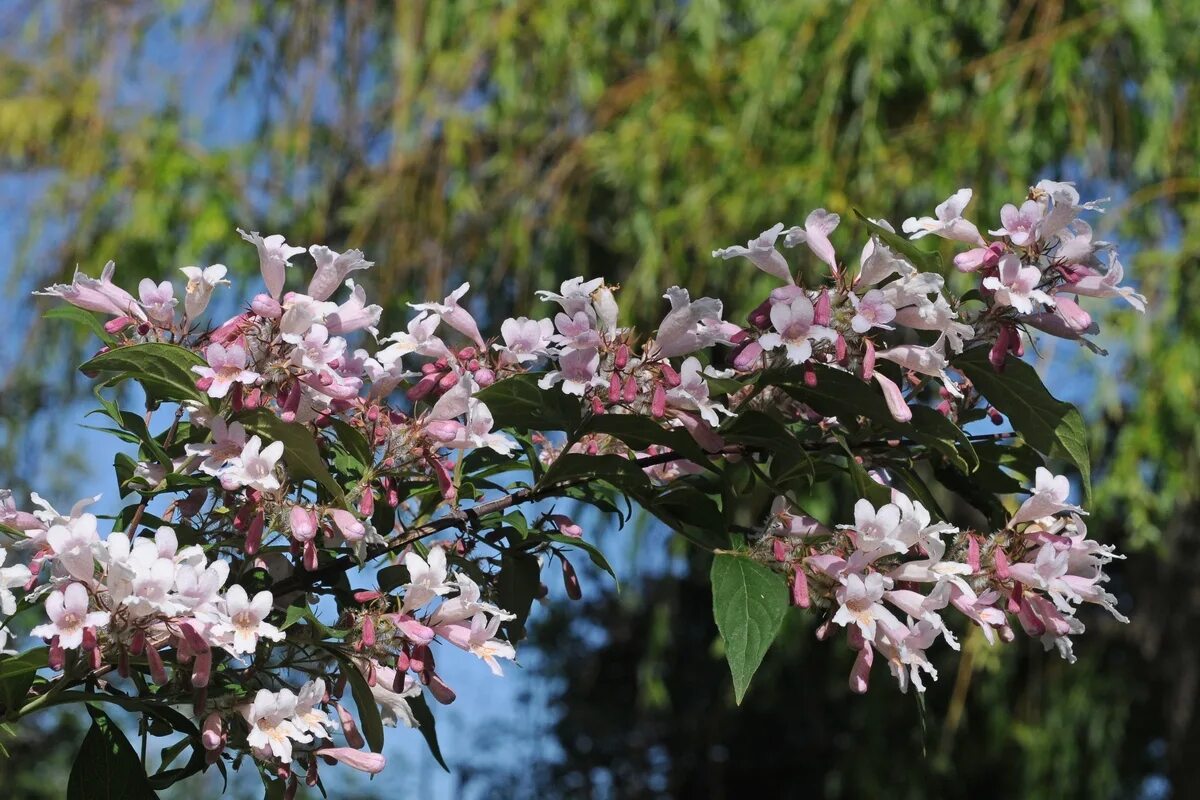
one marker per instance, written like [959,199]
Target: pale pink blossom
[274,257]
[1020,225]
[762,253]
[948,221]
[226,366]
[69,616]
[871,311]
[525,339]
[1017,284]
[816,231]
[158,300]
[244,621]
[94,294]
[332,269]
[200,285]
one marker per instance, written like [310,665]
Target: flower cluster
[295,455]
[889,577]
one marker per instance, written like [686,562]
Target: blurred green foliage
[518,143]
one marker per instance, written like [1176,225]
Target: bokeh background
[515,144]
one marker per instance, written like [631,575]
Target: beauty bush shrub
[320,523]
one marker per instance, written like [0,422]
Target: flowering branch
[296,466]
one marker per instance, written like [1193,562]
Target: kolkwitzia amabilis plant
[317,515]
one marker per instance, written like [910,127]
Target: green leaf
[80,317]
[300,453]
[16,676]
[1055,428]
[624,473]
[426,725]
[593,552]
[518,403]
[107,767]
[748,605]
[519,583]
[923,260]
[163,370]
[640,432]
[690,512]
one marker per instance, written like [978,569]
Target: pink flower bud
[973,554]
[1001,562]
[899,409]
[810,377]
[670,376]
[117,325]
[202,668]
[860,675]
[597,405]
[995,416]
[822,312]
[413,630]
[366,503]
[868,362]
[566,525]
[800,596]
[779,550]
[57,656]
[485,377]
[571,581]
[89,639]
[629,393]
[658,403]
[348,524]
[444,430]
[621,359]
[310,556]
[349,727]
[747,355]
[365,761]
[137,643]
[368,631]
[158,673]
[447,382]
[367,596]
[212,732]
[422,388]
[614,388]
[840,349]
[303,524]
[441,691]
[266,306]
[254,535]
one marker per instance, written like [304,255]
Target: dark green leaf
[640,432]
[163,370]
[593,552]
[518,403]
[107,767]
[368,712]
[1053,427]
[16,676]
[426,725]
[749,601]
[519,583]
[80,317]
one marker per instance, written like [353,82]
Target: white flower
[525,339]
[860,605]
[817,227]
[69,615]
[479,638]
[576,295]
[576,370]
[307,717]
[255,468]
[427,579]
[274,255]
[762,253]
[10,578]
[466,604]
[793,326]
[393,705]
[73,543]
[332,269]
[200,285]
[692,393]
[948,223]
[1049,496]
[244,621]
[454,315]
[272,728]
[228,440]
[419,339]
[872,311]
[1017,285]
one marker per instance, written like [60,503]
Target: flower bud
[670,376]
[349,525]
[266,306]
[485,377]
[571,581]
[254,535]
[746,355]
[441,691]
[212,732]
[310,556]
[822,310]
[621,359]
[800,596]
[629,393]
[658,403]
[349,727]
[365,761]
[158,673]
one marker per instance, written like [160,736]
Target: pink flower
[245,622]
[332,269]
[158,300]
[762,253]
[226,366]
[872,311]
[817,227]
[255,467]
[69,616]
[1017,285]
[274,255]
[1020,225]
[1049,496]
[948,222]
[793,328]
[454,315]
[524,339]
[97,295]
[354,314]
[370,763]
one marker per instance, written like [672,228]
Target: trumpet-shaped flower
[255,467]
[274,257]
[69,616]
[948,221]
[244,621]
[1016,285]
[200,285]
[226,366]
